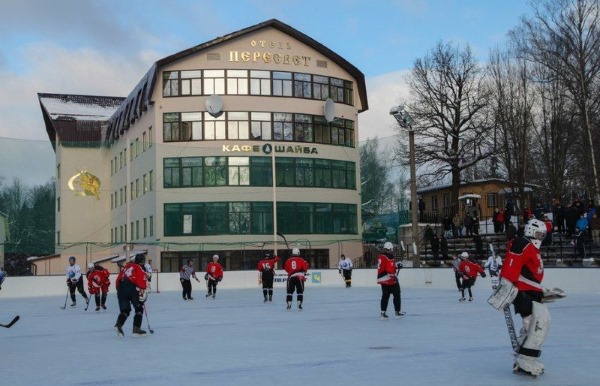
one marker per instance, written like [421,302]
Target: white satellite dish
[329,110]
[214,105]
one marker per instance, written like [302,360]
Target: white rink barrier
[568,279]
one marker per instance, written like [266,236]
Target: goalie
[520,284]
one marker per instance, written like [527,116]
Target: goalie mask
[535,230]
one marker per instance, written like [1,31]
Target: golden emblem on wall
[85,183]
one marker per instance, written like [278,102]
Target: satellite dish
[214,105]
[329,110]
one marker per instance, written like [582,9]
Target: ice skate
[525,365]
[119,331]
[462,299]
[97,308]
[384,315]
[289,306]
[208,294]
[74,304]
[213,295]
[300,306]
[470,299]
[266,299]
[400,314]
[103,306]
[270,298]
[138,332]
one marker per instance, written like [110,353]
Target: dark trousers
[79,287]
[347,276]
[466,285]
[295,284]
[187,288]
[128,299]
[386,291]
[267,283]
[212,286]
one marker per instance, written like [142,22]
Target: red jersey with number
[267,265]
[386,270]
[214,270]
[135,274]
[523,266]
[296,266]
[98,280]
[470,269]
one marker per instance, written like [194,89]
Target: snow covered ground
[338,339]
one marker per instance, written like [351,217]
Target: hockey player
[345,269]
[494,264]
[75,281]
[186,273]
[98,282]
[295,267]
[387,278]
[131,291]
[457,275]
[469,272]
[214,274]
[2,276]
[520,284]
[266,269]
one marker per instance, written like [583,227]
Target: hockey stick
[9,325]
[147,321]
[511,329]
[66,297]
[89,300]
[284,239]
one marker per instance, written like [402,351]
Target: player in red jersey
[98,282]
[386,277]
[520,284]
[266,269]
[214,274]
[295,267]
[131,291]
[469,271]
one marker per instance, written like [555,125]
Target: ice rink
[338,339]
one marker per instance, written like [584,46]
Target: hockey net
[153,283]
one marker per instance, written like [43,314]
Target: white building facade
[217,150]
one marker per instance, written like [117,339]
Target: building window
[303,129]
[137,187]
[125,157]
[132,191]
[170,83]
[137,147]
[191,82]
[57,204]
[282,84]
[237,82]
[57,237]
[434,202]
[239,171]
[137,229]
[238,125]
[446,200]
[182,172]
[341,91]
[144,184]
[214,82]
[302,86]
[338,174]
[58,172]
[260,82]
[321,87]
[132,231]
[304,172]
[151,226]
[144,141]
[322,173]
[261,127]
[121,196]
[239,218]
[151,180]
[112,167]
[261,171]
[145,227]
[150,136]
[215,171]
[492,200]
[283,127]
[214,128]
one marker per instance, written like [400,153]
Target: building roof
[79,120]
[462,184]
[141,96]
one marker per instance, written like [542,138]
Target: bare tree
[564,35]
[449,106]
[376,189]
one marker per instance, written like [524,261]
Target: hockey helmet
[464,256]
[535,230]
[91,265]
[215,257]
[295,252]
[72,259]
[388,246]
[268,254]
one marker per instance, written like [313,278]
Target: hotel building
[218,148]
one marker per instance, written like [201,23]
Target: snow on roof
[131,253]
[80,107]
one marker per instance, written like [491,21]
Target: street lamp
[405,121]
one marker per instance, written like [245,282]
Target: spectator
[444,247]
[558,216]
[435,246]
[456,225]
[526,214]
[468,222]
[511,231]
[549,230]
[572,216]
[595,228]
[582,224]
[509,210]
[421,210]
[579,243]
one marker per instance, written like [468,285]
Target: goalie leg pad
[504,295]
[537,330]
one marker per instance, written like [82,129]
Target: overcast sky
[104,47]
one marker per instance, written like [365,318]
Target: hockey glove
[340,271]
[206,276]
[483,274]
[504,295]
[552,295]
[142,295]
[219,278]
